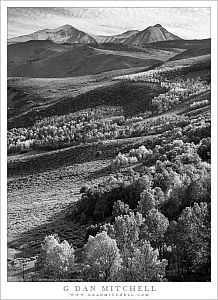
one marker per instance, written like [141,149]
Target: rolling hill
[182,44]
[47,59]
[62,34]
[191,48]
[175,68]
[191,53]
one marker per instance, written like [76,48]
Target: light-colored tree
[156,225]
[120,208]
[127,228]
[146,202]
[142,264]
[193,229]
[102,258]
[56,259]
[190,238]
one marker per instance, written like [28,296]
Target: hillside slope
[43,59]
[182,44]
[191,48]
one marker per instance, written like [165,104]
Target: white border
[50,290]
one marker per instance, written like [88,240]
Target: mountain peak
[62,34]
[157,25]
[67,26]
[151,34]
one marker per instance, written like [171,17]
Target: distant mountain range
[59,35]
[69,34]
[119,38]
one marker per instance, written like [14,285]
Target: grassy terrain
[42,194]
[191,53]
[29,100]
[181,67]
[185,48]
[122,49]
[44,59]
[182,44]
[43,187]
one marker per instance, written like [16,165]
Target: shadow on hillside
[63,157]
[61,223]
[99,173]
[29,242]
[32,164]
[133,97]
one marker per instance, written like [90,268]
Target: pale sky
[188,23]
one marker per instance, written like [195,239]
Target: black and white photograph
[106,179]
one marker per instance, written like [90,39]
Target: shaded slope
[191,48]
[32,94]
[182,44]
[132,97]
[191,53]
[45,59]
